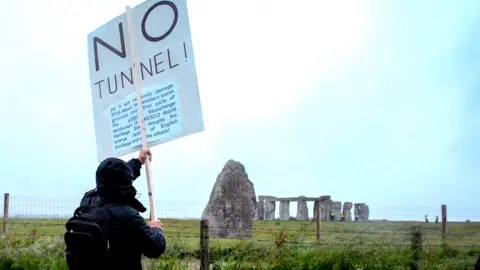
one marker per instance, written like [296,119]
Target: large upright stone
[347,211]
[326,208]
[232,205]
[302,208]
[284,210]
[260,207]
[337,209]
[315,206]
[356,214]
[361,211]
[270,208]
[365,213]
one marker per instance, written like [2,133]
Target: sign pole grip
[151,197]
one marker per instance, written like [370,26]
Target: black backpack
[86,238]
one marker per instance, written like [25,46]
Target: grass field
[275,245]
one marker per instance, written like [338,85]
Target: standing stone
[365,214]
[347,211]
[302,208]
[326,208]
[361,210]
[337,209]
[232,205]
[260,207]
[284,210]
[315,205]
[356,214]
[270,208]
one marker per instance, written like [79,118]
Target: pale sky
[367,101]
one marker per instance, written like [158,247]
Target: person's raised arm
[136,163]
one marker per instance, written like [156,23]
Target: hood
[114,179]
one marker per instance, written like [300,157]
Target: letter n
[97,41]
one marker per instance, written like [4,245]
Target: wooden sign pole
[151,197]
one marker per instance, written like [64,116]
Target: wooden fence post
[444,222]
[417,248]
[319,220]
[204,246]
[6,201]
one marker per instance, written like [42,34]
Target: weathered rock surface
[302,208]
[232,205]
[337,209]
[347,211]
[284,210]
[325,198]
[326,208]
[361,210]
[270,208]
[315,206]
[356,211]
[365,213]
[260,208]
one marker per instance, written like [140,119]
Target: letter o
[144,21]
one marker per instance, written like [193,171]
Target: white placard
[166,71]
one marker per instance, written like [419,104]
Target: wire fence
[41,207]
[275,235]
[46,217]
[332,234]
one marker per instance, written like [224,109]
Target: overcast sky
[366,101]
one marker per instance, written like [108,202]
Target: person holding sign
[107,231]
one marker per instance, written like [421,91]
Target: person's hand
[156,224]
[143,155]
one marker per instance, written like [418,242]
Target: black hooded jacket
[130,235]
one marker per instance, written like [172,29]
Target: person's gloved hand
[143,155]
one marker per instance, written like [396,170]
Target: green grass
[37,244]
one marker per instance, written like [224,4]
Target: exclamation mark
[185,51]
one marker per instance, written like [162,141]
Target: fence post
[417,249]
[444,222]
[204,246]
[319,220]
[6,200]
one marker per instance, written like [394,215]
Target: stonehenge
[285,210]
[266,207]
[233,205]
[324,200]
[269,208]
[361,211]
[260,208]
[337,209]
[347,211]
[302,208]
